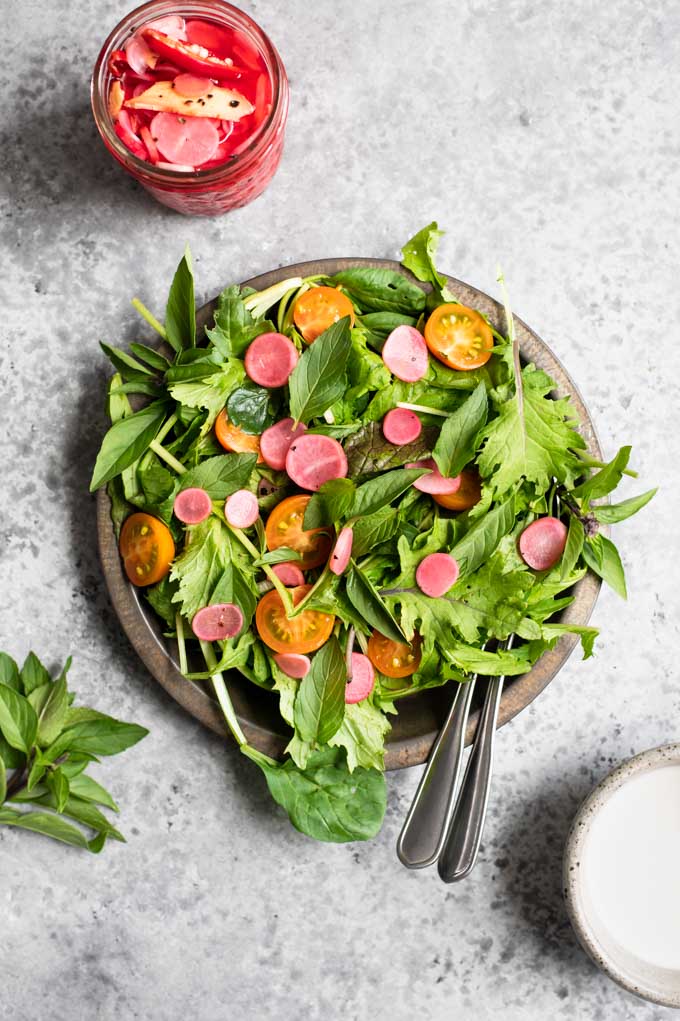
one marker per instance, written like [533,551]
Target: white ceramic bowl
[651,982]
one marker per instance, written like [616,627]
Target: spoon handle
[424,831]
[464,836]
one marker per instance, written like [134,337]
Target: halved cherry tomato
[284,528]
[304,633]
[147,549]
[318,308]
[394,659]
[467,495]
[232,438]
[190,56]
[459,337]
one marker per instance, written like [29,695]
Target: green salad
[350,489]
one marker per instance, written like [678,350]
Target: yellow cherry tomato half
[466,496]
[318,308]
[459,336]
[284,528]
[232,438]
[394,659]
[147,549]
[305,633]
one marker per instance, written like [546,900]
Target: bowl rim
[411,749]
[644,762]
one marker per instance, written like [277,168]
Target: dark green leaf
[320,701]
[368,452]
[220,476]
[457,441]
[87,789]
[33,673]
[604,481]
[18,721]
[381,491]
[373,529]
[379,325]
[151,356]
[161,598]
[382,290]
[58,785]
[481,540]
[234,327]
[53,715]
[572,551]
[332,502]
[158,484]
[248,407]
[46,823]
[128,366]
[180,312]
[9,672]
[603,558]
[615,512]
[325,801]
[126,440]
[318,379]
[370,605]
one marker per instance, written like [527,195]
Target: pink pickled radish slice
[312,460]
[218,622]
[276,440]
[191,86]
[289,573]
[436,574]
[401,426]
[172,25]
[192,506]
[363,678]
[435,482]
[139,54]
[241,509]
[342,551]
[188,141]
[177,167]
[270,359]
[542,544]
[294,664]
[405,354]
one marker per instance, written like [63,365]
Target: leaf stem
[150,318]
[223,695]
[256,555]
[299,607]
[591,462]
[181,645]
[423,409]
[166,456]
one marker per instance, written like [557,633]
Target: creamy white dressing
[631,866]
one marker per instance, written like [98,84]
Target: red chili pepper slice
[183,56]
[118,63]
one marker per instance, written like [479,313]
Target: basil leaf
[382,290]
[46,823]
[87,789]
[3,781]
[33,674]
[128,366]
[574,547]
[318,379]
[221,475]
[381,491]
[332,502]
[249,408]
[11,757]
[373,529]
[370,606]
[368,452]
[325,801]
[180,312]
[615,512]
[101,736]
[82,811]
[604,481]
[126,440]
[320,701]
[52,716]
[151,356]
[9,672]
[18,721]
[602,556]
[481,540]
[457,441]
[280,555]
[58,786]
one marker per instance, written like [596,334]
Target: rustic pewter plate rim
[419,719]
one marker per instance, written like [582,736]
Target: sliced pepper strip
[191,57]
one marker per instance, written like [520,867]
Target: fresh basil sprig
[318,379]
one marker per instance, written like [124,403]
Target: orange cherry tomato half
[304,633]
[459,337]
[147,549]
[318,308]
[284,528]
[466,496]
[394,659]
[232,438]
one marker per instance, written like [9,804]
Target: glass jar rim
[159,176]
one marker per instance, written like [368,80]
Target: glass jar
[244,176]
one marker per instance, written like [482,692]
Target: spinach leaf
[332,502]
[604,481]
[371,530]
[180,312]
[418,255]
[221,475]
[381,491]
[125,442]
[368,603]
[615,512]
[326,801]
[381,290]
[379,325]
[249,408]
[368,452]
[458,439]
[320,701]
[602,557]
[318,379]
[481,540]
[161,597]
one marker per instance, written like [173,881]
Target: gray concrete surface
[543,137]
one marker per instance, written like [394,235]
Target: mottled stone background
[543,136]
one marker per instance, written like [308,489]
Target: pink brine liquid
[187,94]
